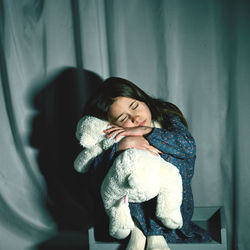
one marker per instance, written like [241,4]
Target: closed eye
[135,107]
[123,119]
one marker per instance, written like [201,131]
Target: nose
[135,119]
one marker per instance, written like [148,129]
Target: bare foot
[137,240]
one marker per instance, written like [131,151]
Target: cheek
[147,112]
[149,117]
[127,124]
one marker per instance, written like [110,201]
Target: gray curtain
[54,53]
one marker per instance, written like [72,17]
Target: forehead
[120,105]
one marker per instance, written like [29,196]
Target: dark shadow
[71,200]
[214,226]
[65,241]
[59,105]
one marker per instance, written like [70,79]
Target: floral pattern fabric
[177,147]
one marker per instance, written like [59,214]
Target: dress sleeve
[178,142]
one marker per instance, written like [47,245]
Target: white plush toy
[135,176]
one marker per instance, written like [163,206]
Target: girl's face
[127,113]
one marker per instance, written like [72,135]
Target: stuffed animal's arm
[83,160]
[87,158]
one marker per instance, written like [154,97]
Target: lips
[142,123]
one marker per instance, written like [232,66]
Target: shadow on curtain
[59,107]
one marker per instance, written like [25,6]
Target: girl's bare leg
[157,242]
[137,239]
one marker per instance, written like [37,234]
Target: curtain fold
[53,54]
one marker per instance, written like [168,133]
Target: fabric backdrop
[54,53]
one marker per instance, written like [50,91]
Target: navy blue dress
[177,147]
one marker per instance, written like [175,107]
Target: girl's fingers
[115,133]
[153,149]
[118,135]
[111,129]
[152,152]
[133,141]
[156,150]
[150,149]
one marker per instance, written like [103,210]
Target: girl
[131,113]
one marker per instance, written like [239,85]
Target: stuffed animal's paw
[120,233]
[172,220]
[121,222]
[120,227]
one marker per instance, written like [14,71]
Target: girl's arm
[178,142]
[102,163]
[133,138]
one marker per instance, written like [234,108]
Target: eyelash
[123,119]
[135,107]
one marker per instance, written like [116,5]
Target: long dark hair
[100,102]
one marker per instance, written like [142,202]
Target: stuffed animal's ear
[80,127]
[88,141]
[107,143]
[90,131]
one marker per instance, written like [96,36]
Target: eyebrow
[130,105]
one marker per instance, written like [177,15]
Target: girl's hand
[119,131]
[137,142]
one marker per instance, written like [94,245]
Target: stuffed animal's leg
[121,222]
[170,216]
[169,200]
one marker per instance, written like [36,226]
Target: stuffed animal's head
[90,131]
